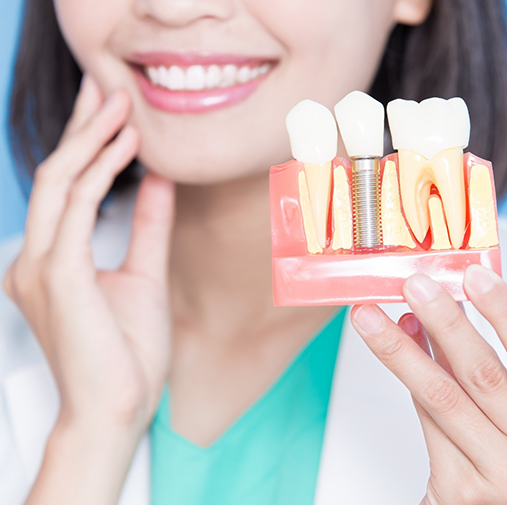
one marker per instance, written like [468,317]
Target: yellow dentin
[394,228]
[342,211]
[484,232]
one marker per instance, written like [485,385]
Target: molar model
[353,231]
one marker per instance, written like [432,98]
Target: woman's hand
[105,334]
[461,395]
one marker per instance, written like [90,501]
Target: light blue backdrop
[12,199]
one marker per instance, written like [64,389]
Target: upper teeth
[429,127]
[199,77]
[361,121]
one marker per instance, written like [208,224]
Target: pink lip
[194,101]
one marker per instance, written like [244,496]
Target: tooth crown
[361,120]
[313,133]
[429,127]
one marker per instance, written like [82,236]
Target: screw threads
[367,213]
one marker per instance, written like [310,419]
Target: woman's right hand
[104,333]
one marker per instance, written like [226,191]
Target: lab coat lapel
[374,450]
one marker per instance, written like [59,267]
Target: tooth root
[439,234]
[342,211]
[318,177]
[449,178]
[394,228]
[308,221]
[445,171]
[484,232]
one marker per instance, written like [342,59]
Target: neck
[229,341]
[221,259]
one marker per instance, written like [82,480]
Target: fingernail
[480,280]
[369,319]
[410,325]
[422,288]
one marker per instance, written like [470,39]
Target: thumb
[413,328]
[152,224]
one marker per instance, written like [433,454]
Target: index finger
[88,102]
[55,176]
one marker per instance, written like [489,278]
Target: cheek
[87,26]
[332,46]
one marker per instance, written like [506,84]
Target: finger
[88,103]
[72,242]
[149,249]
[413,328]
[488,292]
[444,454]
[439,394]
[475,364]
[55,176]
[439,356]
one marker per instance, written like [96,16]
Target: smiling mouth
[198,82]
[202,77]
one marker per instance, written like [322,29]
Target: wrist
[84,463]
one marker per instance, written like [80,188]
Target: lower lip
[185,102]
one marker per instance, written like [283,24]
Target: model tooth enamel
[394,228]
[439,235]
[430,137]
[199,77]
[361,121]
[429,127]
[314,140]
[342,211]
[484,232]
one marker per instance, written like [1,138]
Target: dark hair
[460,50]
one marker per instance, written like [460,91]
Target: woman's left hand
[461,394]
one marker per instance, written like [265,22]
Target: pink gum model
[357,276]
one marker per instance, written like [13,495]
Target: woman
[190,303]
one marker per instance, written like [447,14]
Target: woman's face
[236,67]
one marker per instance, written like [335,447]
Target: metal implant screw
[367,211]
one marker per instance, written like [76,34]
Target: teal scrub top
[269,456]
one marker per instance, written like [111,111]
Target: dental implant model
[353,231]
[361,120]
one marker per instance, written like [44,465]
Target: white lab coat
[373,453]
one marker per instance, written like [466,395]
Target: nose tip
[181,13]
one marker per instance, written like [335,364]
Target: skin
[195,315]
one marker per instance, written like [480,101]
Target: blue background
[12,198]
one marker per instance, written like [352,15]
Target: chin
[201,170]
[205,161]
